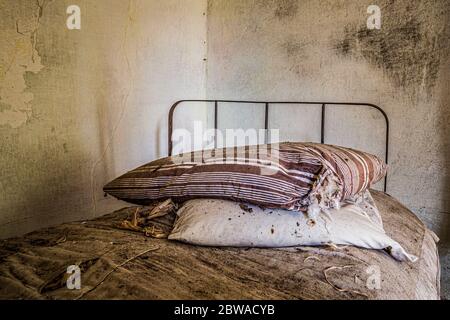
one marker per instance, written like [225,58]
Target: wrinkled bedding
[121,264]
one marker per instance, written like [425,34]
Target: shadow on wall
[444,231]
[45,177]
[47,201]
[160,136]
[104,166]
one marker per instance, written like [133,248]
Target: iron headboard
[266,117]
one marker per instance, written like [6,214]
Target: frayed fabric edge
[325,194]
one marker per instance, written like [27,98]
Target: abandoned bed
[118,263]
[121,264]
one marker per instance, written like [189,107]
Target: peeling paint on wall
[100,95]
[17,57]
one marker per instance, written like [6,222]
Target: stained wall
[322,51]
[79,107]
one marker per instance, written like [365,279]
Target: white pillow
[213,222]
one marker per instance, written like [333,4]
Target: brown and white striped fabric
[356,170]
[275,175]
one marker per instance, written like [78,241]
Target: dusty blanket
[123,264]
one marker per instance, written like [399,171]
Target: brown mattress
[121,264]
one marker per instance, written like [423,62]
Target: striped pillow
[295,176]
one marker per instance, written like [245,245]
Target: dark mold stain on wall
[296,51]
[295,48]
[409,47]
[286,9]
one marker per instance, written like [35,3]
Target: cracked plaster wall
[79,107]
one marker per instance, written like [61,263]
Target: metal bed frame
[266,117]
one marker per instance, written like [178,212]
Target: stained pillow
[295,176]
[213,222]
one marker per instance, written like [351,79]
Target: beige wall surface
[79,107]
[322,50]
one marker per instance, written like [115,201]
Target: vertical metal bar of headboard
[387,146]
[266,122]
[216,109]
[322,125]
